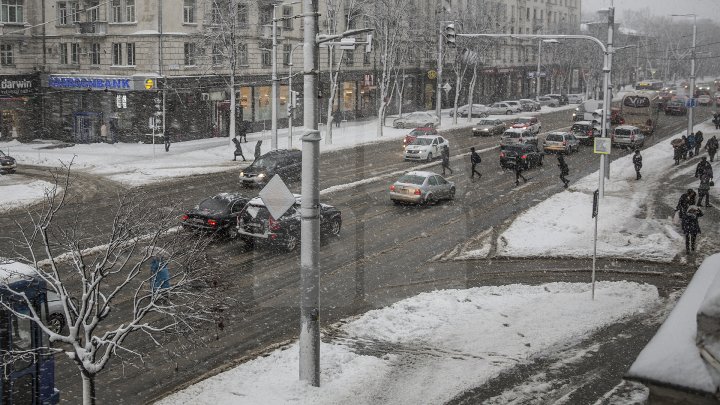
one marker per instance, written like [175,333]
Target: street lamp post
[690,123]
[274,79]
[292,100]
[537,73]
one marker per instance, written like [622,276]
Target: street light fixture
[537,73]
[692,70]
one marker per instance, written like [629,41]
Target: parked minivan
[628,136]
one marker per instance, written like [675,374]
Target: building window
[189,11]
[242,55]
[189,54]
[116,9]
[217,54]
[242,15]
[6,55]
[266,16]
[62,8]
[117,54]
[118,6]
[266,57]
[130,50]
[95,54]
[11,11]
[68,12]
[63,54]
[350,20]
[93,11]
[366,58]
[287,48]
[129,10]
[287,12]
[75,54]
[215,13]
[349,57]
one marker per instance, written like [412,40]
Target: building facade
[123,70]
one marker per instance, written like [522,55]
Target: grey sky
[703,8]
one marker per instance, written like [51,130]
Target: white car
[575,98]
[504,108]
[628,136]
[532,124]
[704,99]
[417,119]
[514,136]
[478,110]
[425,148]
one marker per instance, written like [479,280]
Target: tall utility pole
[607,98]
[691,96]
[310,206]
[274,90]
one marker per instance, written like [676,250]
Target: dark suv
[7,163]
[561,98]
[527,155]
[284,162]
[255,224]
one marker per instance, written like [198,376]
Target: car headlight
[242,174]
[261,176]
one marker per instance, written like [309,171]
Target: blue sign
[92,83]
[691,103]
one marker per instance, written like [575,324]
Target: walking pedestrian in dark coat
[704,189]
[686,200]
[519,167]
[564,170]
[716,120]
[243,130]
[637,162]
[167,138]
[445,153]
[699,138]
[677,153]
[258,146]
[712,147]
[691,227]
[474,161]
[684,147]
[690,144]
[238,149]
[703,167]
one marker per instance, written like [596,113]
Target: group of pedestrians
[688,146]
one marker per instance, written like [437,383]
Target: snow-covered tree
[106,287]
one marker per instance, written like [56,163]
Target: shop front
[19,106]
[87,109]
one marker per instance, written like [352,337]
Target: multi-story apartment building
[88,69]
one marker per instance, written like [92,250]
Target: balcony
[92,28]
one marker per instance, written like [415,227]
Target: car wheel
[508,112]
[249,242]
[540,162]
[335,227]
[429,157]
[429,199]
[553,105]
[452,194]
[291,242]
[232,232]
[56,323]
[396,202]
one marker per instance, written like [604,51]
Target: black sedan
[257,225]
[7,163]
[217,214]
[526,154]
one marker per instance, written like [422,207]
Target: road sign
[447,87]
[149,84]
[431,74]
[596,197]
[602,146]
[691,103]
[277,197]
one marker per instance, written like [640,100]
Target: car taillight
[417,191]
[502,154]
[589,133]
[184,217]
[564,143]
[392,187]
[523,157]
[212,222]
[273,224]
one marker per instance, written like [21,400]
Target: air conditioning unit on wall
[204,96]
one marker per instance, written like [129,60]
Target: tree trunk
[381,119]
[88,385]
[471,92]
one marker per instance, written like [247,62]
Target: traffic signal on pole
[450,35]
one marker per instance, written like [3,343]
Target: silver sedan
[420,187]
[417,119]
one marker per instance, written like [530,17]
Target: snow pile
[672,356]
[628,224]
[19,191]
[431,347]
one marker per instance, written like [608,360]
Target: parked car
[417,132]
[585,131]
[517,135]
[217,214]
[425,148]
[524,154]
[628,136]
[284,162]
[514,103]
[546,101]
[417,119]
[561,98]
[8,164]
[478,110]
[675,107]
[575,98]
[705,99]
[529,105]
[419,187]
[561,142]
[255,224]
[503,108]
[532,124]
[488,126]
[717,99]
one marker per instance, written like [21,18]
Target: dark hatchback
[217,214]
[528,155]
[284,162]
[7,163]
[255,224]
[675,108]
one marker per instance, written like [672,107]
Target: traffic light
[450,35]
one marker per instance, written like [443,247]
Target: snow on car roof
[626,127]
[428,136]
[259,201]
[12,271]
[421,173]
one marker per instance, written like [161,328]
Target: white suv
[425,147]
[518,135]
[628,136]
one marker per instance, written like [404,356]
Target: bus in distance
[649,85]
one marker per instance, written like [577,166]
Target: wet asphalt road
[385,253]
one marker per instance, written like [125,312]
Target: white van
[588,111]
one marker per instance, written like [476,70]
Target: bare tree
[107,292]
